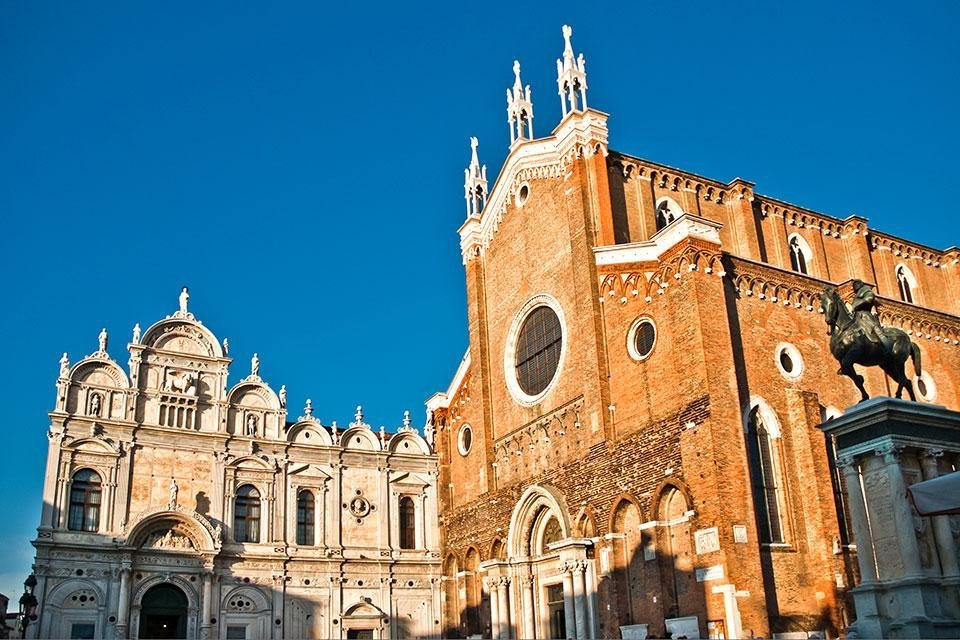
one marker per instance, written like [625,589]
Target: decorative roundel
[925,387]
[641,338]
[535,348]
[522,194]
[788,360]
[359,506]
[465,439]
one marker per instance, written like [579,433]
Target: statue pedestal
[910,582]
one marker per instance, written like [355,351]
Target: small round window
[465,439]
[925,387]
[641,339]
[522,194]
[788,360]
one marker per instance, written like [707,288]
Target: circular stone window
[788,360]
[522,194]
[535,349]
[465,439]
[641,338]
[925,387]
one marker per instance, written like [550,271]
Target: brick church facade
[631,437]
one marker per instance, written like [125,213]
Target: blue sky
[300,167]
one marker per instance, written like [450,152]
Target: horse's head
[830,299]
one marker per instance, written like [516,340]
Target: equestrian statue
[856,337]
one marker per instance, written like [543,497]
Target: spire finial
[571,77]
[475,181]
[519,108]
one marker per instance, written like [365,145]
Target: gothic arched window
[767,493]
[408,527]
[84,501]
[905,282]
[246,514]
[305,518]
[667,212]
[799,255]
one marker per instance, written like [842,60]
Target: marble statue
[226,347]
[64,365]
[858,338]
[174,489]
[184,300]
[95,404]
[283,396]
[251,429]
[103,339]
[136,333]
[255,365]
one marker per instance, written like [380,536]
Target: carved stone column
[529,626]
[580,599]
[205,604]
[569,620]
[910,548]
[503,593]
[494,608]
[123,603]
[946,548]
[858,519]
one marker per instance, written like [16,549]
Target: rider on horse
[864,300]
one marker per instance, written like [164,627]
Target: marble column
[902,512]
[858,519]
[529,628]
[569,620]
[503,593]
[593,628]
[494,608]
[946,548]
[123,604]
[205,604]
[580,599]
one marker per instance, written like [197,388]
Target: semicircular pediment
[179,335]
[174,529]
[99,372]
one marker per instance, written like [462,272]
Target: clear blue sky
[300,167]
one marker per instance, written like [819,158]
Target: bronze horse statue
[858,338]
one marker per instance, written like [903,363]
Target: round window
[788,360]
[522,194]
[465,439]
[641,338]
[538,350]
[925,387]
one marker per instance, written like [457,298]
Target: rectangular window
[82,631]
[558,621]
[236,632]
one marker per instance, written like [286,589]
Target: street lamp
[28,605]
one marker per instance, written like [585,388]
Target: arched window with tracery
[85,495]
[667,212]
[765,475]
[408,523]
[906,283]
[246,514]
[306,511]
[800,254]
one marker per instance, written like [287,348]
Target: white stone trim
[510,348]
[518,199]
[464,450]
[686,226]
[929,383]
[632,338]
[795,356]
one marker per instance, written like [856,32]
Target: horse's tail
[915,357]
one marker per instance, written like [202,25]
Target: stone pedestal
[909,586]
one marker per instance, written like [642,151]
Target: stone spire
[519,108]
[475,182]
[571,77]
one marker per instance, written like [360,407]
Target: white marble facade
[176,505]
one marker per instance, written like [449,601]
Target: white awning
[939,496]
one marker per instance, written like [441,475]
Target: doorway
[163,613]
[360,634]
[558,619]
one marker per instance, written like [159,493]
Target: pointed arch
[801,257]
[906,283]
[526,511]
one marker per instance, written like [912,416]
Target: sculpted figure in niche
[250,429]
[858,338]
[95,404]
[174,490]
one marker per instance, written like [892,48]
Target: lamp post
[28,605]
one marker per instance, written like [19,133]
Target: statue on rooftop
[857,337]
[255,365]
[102,338]
[184,299]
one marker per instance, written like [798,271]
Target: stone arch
[473,589]
[450,593]
[59,594]
[801,255]
[53,625]
[182,336]
[769,416]
[235,600]
[179,581]
[110,374]
[407,442]
[627,543]
[534,499]
[360,438]
[498,550]
[201,533]
[309,432]
[585,523]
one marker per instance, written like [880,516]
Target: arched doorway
[163,613]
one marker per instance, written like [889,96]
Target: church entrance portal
[163,613]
